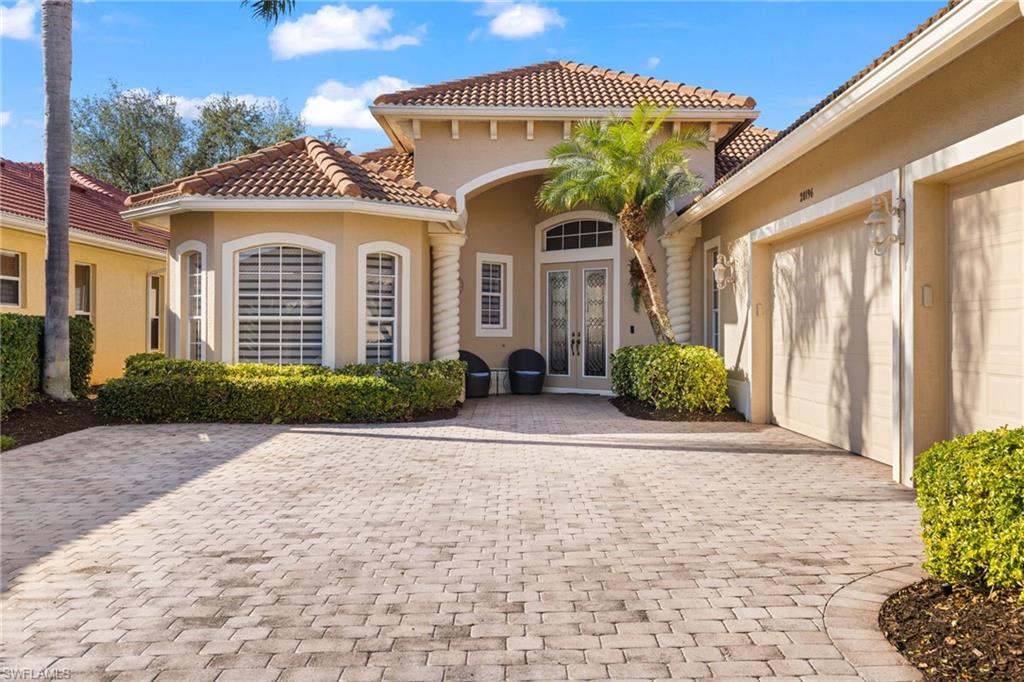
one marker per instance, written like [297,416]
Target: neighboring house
[115,270]
[306,253]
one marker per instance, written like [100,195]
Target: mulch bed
[48,418]
[640,410]
[964,635]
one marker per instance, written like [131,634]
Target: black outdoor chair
[478,375]
[526,371]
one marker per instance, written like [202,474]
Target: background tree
[133,139]
[229,127]
[56,35]
[621,167]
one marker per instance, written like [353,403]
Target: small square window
[10,278]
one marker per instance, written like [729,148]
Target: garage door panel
[986,265]
[832,339]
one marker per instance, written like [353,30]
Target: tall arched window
[382,307]
[280,305]
[578,234]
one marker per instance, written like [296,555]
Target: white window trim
[229,301]
[404,286]
[174,298]
[159,275]
[505,329]
[20,279]
[710,245]
[88,314]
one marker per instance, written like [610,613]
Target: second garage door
[832,339]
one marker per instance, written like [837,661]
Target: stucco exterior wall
[346,231]
[120,289]
[971,94]
[447,164]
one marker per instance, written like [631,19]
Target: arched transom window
[280,305]
[578,234]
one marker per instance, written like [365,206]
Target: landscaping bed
[48,418]
[637,409]
[958,634]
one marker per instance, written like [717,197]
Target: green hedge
[671,377]
[971,493]
[21,358]
[156,389]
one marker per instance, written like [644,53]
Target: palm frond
[270,11]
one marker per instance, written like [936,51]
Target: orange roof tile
[745,145]
[95,205]
[389,157]
[305,167]
[565,84]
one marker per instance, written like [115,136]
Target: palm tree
[620,167]
[56,30]
[270,11]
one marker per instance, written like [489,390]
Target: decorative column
[678,254]
[444,252]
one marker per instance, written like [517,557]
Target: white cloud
[652,62]
[19,20]
[347,106]
[5,118]
[520,19]
[339,27]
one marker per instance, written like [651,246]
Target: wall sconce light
[723,272]
[878,222]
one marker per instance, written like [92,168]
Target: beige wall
[977,91]
[120,282]
[503,220]
[346,231]
[447,164]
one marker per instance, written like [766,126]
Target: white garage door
[986,248]
[832,339]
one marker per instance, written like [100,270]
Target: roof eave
[438,112]
[285,204]
[962,28]
[15,221]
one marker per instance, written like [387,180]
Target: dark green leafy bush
[21,357]
[671,377]
[156,389]
[971,493]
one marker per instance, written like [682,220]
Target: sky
[329,60]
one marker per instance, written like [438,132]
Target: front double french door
[575,334]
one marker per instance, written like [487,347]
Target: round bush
[672,377]
[971,493]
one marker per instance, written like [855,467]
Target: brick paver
[535,538]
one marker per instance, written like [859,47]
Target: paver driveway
[531,538]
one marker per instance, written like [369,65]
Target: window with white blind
[493,295]
[381,287]
[194,305]
[83,291]
[10,278]
[280,312]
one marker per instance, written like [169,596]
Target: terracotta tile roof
[745,145]
[389,157]
[860,75]
[565,84]
[95,206]
[304,167]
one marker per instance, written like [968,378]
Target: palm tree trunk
[56,29]
[652,298]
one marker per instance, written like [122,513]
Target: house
[307,253]
[116,270]
[879,344]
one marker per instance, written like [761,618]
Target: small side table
[499,378]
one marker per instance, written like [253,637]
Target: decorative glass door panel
[576,327]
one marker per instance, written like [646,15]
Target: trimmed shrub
[672,377]
[21,358]
[971,493]
[157,389]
